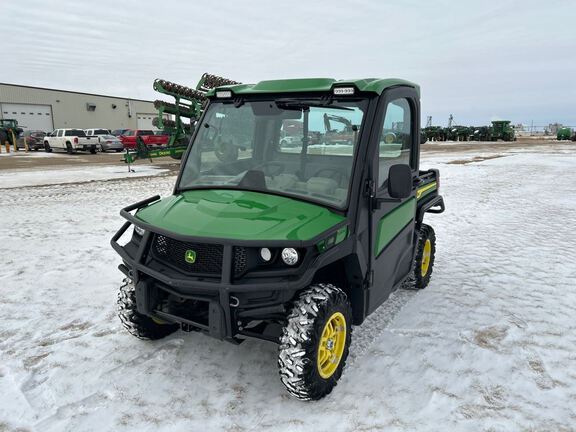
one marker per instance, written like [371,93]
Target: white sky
[478,60]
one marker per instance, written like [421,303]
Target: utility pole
[450,119]
[429,121]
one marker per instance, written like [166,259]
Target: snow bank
[18,178]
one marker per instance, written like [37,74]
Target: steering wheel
[225,150]
[341,175]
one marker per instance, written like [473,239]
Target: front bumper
[225,303]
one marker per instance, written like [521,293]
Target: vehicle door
[59,139]
[392,224]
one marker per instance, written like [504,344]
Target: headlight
[290,256]
[138,230]
[265,254]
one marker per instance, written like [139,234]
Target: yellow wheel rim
[426,257]
[331,346]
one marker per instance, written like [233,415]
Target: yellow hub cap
[426,257]
[331,345]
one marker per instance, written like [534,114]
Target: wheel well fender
[346,273]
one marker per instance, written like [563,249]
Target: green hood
[239,215]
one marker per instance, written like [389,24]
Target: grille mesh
[208,256]
[240,260]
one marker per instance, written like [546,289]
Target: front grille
[240,261]
[208,257]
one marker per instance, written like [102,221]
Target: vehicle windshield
[101,132]
[303,148]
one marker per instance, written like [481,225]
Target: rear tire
[69,148]
[92,150]
[141,326]
[315,342]
[3,137]
[423,259]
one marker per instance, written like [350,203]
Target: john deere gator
[292,244]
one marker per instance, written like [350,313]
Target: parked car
[92,132]
[119,132]
[110,142]
[34,139]
[129,138]
[70,140]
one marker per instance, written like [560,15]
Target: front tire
[138,325]
[315,342]
[47,148]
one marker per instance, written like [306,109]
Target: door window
[395,142]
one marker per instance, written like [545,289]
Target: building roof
[371,85]
[75,92]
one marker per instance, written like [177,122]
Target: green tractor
[564,133]
[501,129]
[9,131]
[291,244]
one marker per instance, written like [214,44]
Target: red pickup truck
[129,138]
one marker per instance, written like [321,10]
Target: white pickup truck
[70,140]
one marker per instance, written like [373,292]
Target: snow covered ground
[59,175]
[490,345]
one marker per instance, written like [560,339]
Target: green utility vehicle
[292,244]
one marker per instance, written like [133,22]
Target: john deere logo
[190,256]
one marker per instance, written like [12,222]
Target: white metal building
[45,109]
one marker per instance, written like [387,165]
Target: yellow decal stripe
[425,189]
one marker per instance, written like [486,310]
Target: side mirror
[400,181]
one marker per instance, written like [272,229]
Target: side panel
[391,224]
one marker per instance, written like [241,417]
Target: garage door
[145,121]
[30,117]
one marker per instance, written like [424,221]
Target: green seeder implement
[186,110]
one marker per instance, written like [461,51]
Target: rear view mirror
[400,181]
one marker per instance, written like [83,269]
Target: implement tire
[423,259]
[141,326]
[315,342]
